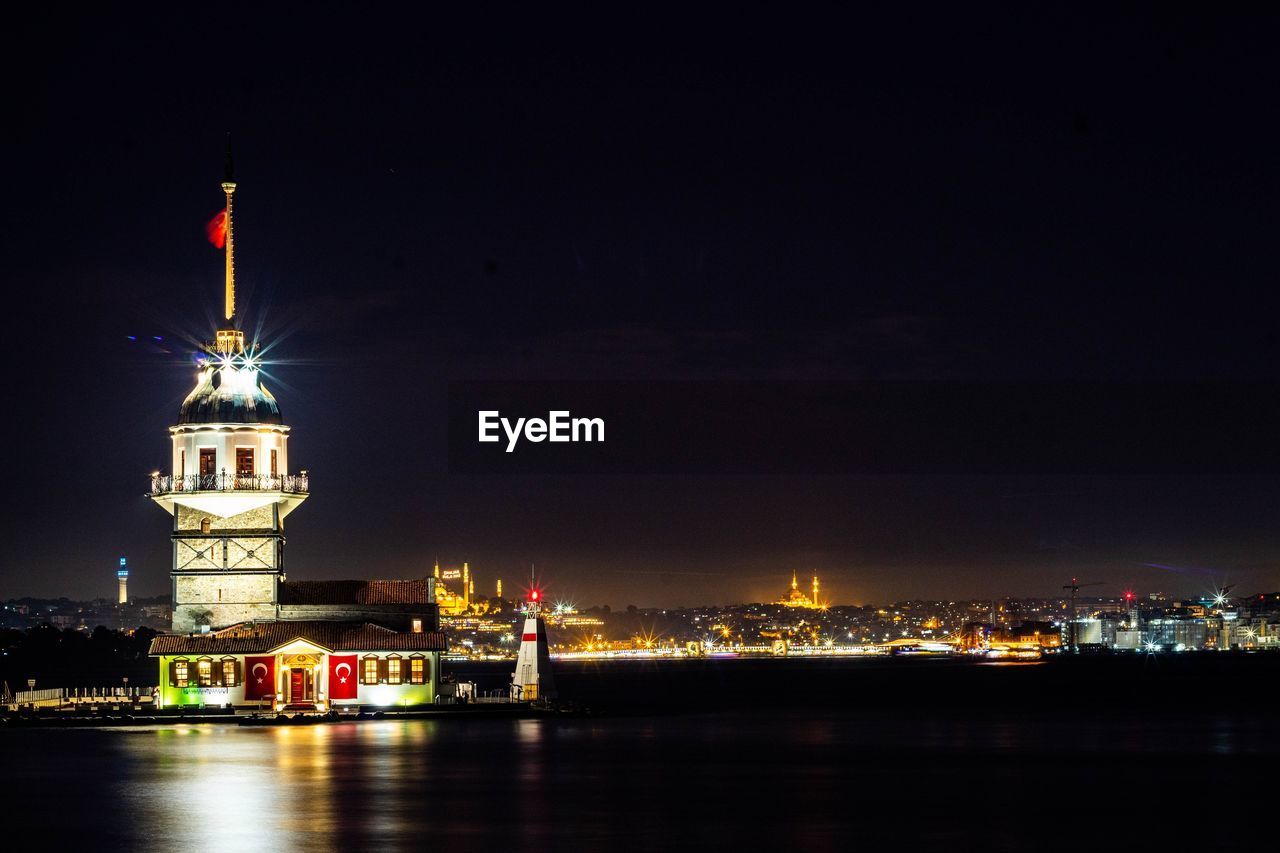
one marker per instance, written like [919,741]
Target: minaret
[532,680]
[815,592]
[230,487]
[122,579]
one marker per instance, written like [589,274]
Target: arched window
[418,670]
[206,525]
[179,673]
[395,670]
[204,672]
[230,672]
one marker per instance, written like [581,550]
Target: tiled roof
[354,592]
[258,637]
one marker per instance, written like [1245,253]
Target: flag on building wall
[342,676]
[259,677]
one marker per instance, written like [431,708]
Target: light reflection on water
[786,780]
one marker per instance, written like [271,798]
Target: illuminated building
[299,665]
[453,603]
[230,489]
[796,598]
[122,579]
[242,633]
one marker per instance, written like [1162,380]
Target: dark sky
[1022,197]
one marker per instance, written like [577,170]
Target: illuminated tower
[816,603]
[229,489]
[532,679]
[499,590]
[122,578]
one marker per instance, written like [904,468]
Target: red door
[297,686]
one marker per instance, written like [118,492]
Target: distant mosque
[794,597]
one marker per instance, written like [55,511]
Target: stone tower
[230,488]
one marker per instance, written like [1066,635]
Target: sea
[1135,752]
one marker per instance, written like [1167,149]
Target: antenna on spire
[229,171]
[230,340]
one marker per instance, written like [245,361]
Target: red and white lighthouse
[532,679]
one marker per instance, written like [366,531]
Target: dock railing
[63,697]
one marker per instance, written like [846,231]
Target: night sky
[1022,197]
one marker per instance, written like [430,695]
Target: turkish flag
[342,676]
[216,230]
[259,677]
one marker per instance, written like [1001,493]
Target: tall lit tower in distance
[122,578]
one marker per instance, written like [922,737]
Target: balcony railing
[165,484]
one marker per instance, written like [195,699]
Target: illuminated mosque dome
[229,393]
[794,597]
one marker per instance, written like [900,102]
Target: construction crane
[1075,586]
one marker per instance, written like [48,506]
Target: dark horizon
[1029,197]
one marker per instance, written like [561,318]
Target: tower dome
[228,394]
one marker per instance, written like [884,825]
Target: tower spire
[229,187]
[230,340]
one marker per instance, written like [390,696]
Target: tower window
[273,463]
[208,461]
[244,461]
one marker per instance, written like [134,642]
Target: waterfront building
[242,633]
[299,666]
[1094,631]
[1177,633]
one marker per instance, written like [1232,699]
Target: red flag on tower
[259,677]
[217,229]
[342,676]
